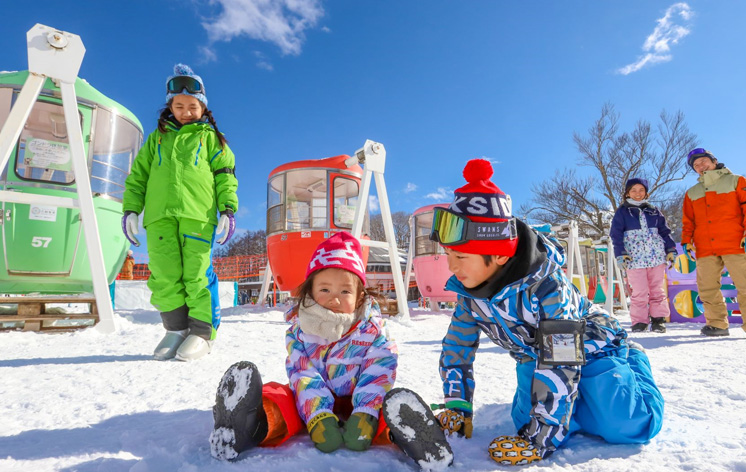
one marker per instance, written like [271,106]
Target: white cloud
[281,22]
[443,193]
[208,55]
[373,203]
[492,160]
[667,32]
[410,187]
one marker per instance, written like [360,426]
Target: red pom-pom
[477,169]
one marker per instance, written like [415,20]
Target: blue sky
[437,82]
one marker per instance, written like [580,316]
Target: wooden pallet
[389,307]
[33,314]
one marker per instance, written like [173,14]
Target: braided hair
[165,114]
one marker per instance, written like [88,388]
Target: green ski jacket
[182,173]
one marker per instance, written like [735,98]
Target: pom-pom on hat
[482,201]
[183,70]
[341,251]
[634,181]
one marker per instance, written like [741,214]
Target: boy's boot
[193,348]
[658,325]
[240,420]
[170,343]
[415,429]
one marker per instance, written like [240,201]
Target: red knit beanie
[482,201]
[341,251]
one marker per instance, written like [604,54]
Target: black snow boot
[415,430]
[658,325]
[713,331]
[240,419]
[639,327]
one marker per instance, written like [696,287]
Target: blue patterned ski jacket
[510,318]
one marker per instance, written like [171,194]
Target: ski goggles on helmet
[181,82]
[452,229]
[696,153]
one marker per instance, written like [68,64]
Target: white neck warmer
[636,203]
[318,321]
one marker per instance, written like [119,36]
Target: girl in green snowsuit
[183,177]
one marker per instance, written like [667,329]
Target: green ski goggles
[181,82]
[452,229]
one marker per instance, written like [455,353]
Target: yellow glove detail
[670,257]
[453,422]
[513,450]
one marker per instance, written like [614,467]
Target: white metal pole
[571,252]
[87,210]
[410,251]
[609,277]
[265,284]
[388,229]
[362,204]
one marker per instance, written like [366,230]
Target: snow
[86,401]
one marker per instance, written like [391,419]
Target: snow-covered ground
[87,402]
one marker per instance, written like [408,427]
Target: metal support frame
[58,55]
[573,255]
[372,156]
[613,276]
[265,285]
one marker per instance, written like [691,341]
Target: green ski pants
[183,284]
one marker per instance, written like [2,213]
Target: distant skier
[128,267]
[341,364]
[576,372]
[642,245]
[183,177]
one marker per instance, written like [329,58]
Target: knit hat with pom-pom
[481,201]
[183,70]
[341,251]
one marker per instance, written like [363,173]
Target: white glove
[227,225]
[129,225]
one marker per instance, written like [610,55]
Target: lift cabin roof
[83,90]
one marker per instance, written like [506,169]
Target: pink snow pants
[649,298]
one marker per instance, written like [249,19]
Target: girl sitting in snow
[341,365]
[642,245]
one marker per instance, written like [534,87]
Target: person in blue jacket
[576,370]
[642,245]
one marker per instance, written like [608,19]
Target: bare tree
[400,220]
[248,243]
[659,155]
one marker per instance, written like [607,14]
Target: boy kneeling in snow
[341,366]
[576,371]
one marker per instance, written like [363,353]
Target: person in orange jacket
[714,228]
[128,267]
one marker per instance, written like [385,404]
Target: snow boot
[658,325]
[193,348]
[415,430]
[639,327]
[168,346]
[713,331]
[240,419]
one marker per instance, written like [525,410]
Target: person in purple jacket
[642,245]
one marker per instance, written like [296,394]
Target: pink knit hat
[341,251]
